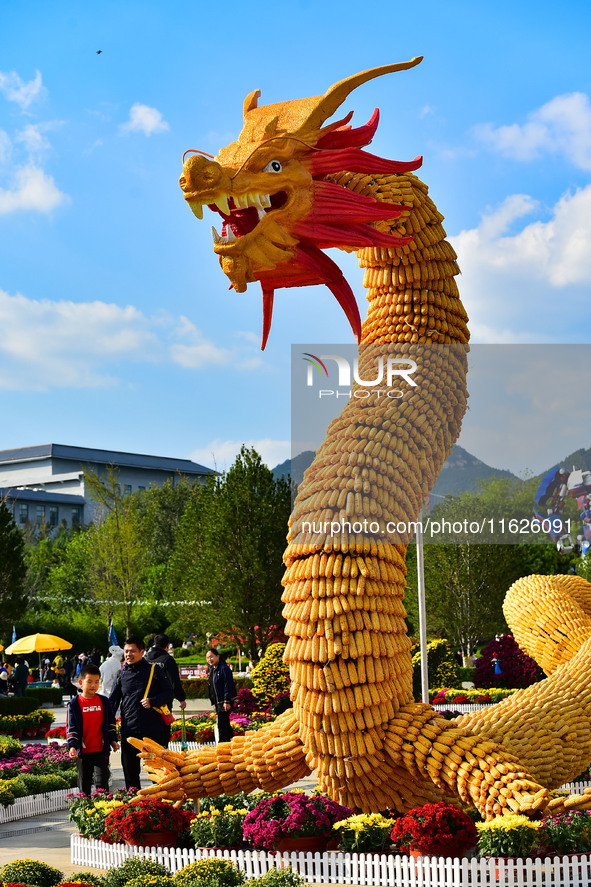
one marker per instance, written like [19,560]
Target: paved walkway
[47,837]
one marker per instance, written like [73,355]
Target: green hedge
[467,673]
[46,694]
[32,784]
[18,705]
[196,688]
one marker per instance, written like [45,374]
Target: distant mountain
[300,463]
[461,471]
[579,459]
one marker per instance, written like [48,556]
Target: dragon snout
[202,179]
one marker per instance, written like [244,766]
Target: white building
[45,484]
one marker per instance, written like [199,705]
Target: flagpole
[422,609]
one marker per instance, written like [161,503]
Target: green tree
[41,557]
[12,569]
[116,544]
[228,555]
[162,509]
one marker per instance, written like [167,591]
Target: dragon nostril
[201,173]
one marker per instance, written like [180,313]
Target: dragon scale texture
[286,189]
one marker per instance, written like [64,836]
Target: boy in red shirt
[91,731]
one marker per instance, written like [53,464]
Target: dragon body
[288,188]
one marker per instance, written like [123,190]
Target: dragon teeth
[258,201]
[222,204]
[228,237]
[197,209]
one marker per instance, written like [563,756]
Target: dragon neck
[411,289]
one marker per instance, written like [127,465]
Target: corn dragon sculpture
[289,187]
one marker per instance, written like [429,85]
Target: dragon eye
[273,166]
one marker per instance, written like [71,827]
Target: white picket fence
[35,805]
[191,746]
[356,868]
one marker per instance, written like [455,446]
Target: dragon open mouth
[244,213]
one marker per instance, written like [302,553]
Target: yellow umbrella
[38,643]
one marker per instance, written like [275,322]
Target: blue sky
[117,329]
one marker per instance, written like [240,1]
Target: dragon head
[277,204]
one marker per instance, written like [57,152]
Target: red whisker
[351,138]
[321,163]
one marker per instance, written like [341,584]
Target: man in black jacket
[158,652]
[138,718]
[222,692]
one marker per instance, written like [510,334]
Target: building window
[23,512]
[141,489]
[76,516]
[53,515]
[127,489]
[40,514]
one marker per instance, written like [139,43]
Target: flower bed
[477,696]
[427,832]
[199,728]
[34,769]
[350,868]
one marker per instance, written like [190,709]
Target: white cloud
[32,137]
[32,189]
[197,351]
[144,119]
[221,454]
[518,286]
[5,146]
[16,90]
[46,344]
[66,344]
[561,126]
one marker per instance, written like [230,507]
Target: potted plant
[89,813]
[29,725]
[566,833]
[440,829]
[508,837]
[364,833]
[10,725]
[219,828]
[146,823]
[46,719]
[293,821]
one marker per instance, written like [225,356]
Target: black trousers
[93,764]
[130,760]
[224,729]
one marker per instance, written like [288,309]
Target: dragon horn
[336,95]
